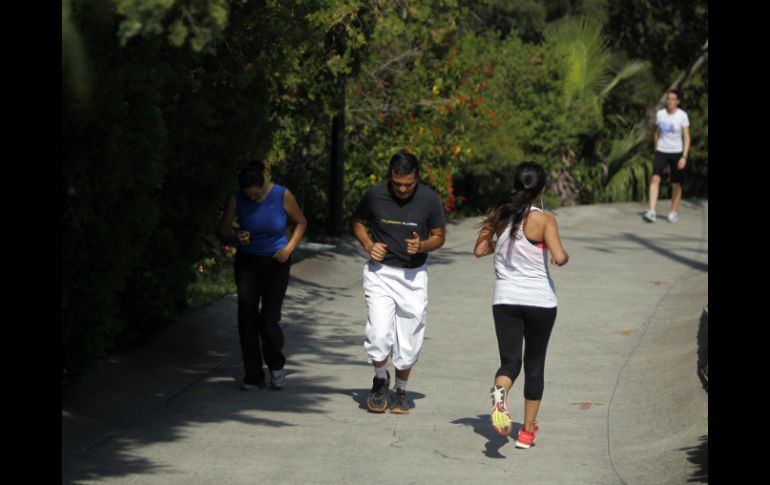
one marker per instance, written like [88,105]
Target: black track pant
[516,325]
[261,283]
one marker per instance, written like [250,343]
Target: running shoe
[673,217]
[649,216]
[525,438]
[249,385]
[400,403]
[499,416]
[377,401]
[277,379]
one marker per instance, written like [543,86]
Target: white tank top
[521,271]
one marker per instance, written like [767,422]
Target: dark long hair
[252,175]
[528,180]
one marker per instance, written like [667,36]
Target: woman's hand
[282,255]
[562,262]
[485,244]
[244,237]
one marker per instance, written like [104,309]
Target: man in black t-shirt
[407,222]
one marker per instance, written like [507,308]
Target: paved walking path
[623,402]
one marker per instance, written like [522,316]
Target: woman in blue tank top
[262,264]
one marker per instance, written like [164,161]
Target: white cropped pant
[397,302]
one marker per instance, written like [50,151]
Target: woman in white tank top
[524,305]
[521,271]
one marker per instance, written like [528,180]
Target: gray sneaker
[250,386]
[377,401]
[277,379]
[673,217]
[649,216]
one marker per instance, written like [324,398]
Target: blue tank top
[265,220]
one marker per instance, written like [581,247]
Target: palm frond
[620,150]
[586,52]
[630,181]
[629,70]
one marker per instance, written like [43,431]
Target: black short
[671,160]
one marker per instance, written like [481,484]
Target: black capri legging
[514,325]
[262,283]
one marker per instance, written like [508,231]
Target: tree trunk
[336,225]
[564,184]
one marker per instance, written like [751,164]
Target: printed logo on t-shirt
[398,223]
[667,127]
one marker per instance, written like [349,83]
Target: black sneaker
[400,403]
[377,401]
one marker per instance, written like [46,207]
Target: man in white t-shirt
[672,144]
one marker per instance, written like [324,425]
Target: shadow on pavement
[482,426]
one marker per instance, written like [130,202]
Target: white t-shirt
[671,127]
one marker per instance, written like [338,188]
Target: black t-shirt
[393,220]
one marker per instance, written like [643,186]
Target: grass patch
[215,279]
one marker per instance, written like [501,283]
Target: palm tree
[626,171]
[588,75]
[587,54]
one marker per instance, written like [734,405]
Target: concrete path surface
[623,401]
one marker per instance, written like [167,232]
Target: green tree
[150,154]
